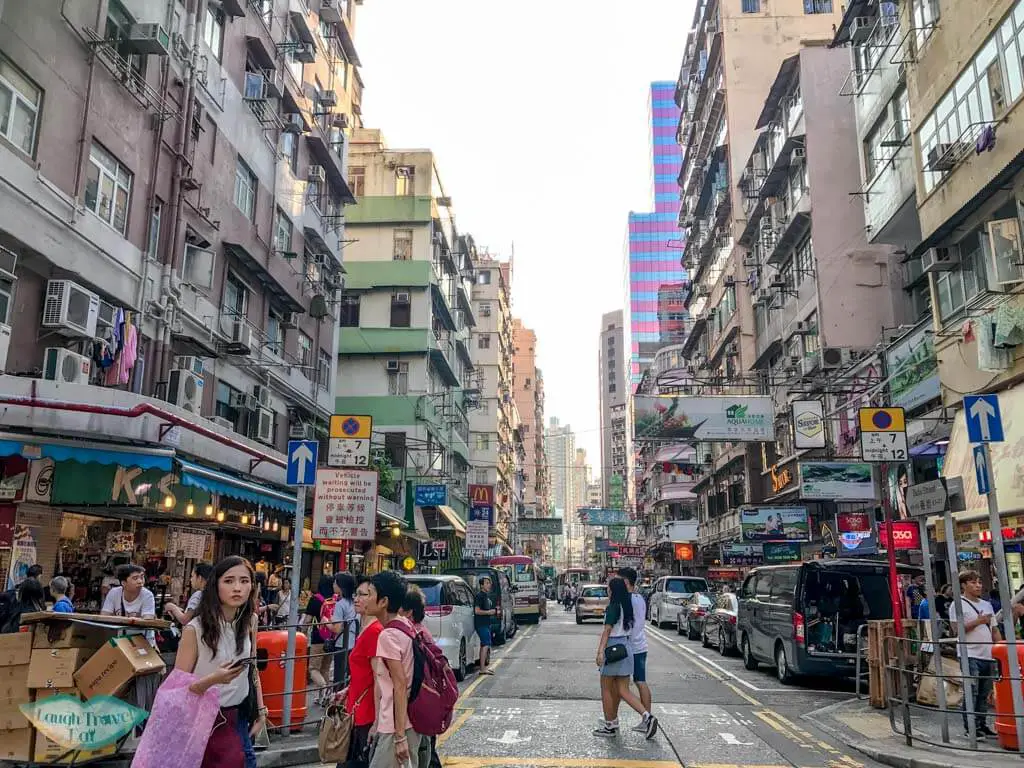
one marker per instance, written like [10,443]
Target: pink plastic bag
[179,727]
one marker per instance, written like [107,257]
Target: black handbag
[615,652]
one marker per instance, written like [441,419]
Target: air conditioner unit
[392,366]
[299,431]
[315,174]
[70,309]
[255,87]
[264,425]
[220,421]
[305,52]
[293,123]
[402,297]
[149,39]
[799,156]
[834,357]
[190,363]
[242,342]
[809,364]
[65,366]
[940,259]
[328,98]
[779,283]
[262,395]
[5,343]
[765,296]
[860,29]
[729,281]
[185,390]
[778,212]
[329,11]
[290,320]
[941,158]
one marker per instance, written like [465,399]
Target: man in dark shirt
[483,610]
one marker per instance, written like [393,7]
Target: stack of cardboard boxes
[58,657]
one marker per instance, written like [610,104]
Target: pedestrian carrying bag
[326,618]
[336,730]
[615,652]
[434,690]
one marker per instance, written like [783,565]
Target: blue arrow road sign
[981,470]
[984,422]
[302,462]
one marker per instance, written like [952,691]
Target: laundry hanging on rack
[990,357]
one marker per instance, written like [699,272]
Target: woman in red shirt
[359,699]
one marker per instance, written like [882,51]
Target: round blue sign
[350,426]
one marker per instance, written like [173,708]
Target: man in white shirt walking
[980,631]
[638,643]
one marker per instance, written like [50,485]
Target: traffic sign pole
[1005,597]
[895,596]
[293,608]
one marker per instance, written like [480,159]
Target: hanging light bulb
[245,519]
[168,501]
[190,509]
[220,516]
[209,510]
[274,527]
[396,531]
[266,525]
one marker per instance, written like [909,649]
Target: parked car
[690,616]
[669,593]
[503,626]
[592,602]
[720,624]
[804,618]
[450,618]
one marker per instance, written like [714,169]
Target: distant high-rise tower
[654,277]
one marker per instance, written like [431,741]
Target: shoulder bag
[615,652]
[336,731]
[251,706]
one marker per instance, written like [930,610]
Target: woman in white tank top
[214,646]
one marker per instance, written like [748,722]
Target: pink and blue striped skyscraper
[655,276]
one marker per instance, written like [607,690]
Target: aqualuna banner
[716,419]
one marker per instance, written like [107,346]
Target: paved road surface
[539,709]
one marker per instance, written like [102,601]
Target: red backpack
[326,618]
[434,690]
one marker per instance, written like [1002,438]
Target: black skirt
[358,748]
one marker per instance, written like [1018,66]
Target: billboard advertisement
[836,481]
[906,535]
[856,533]
[715,419]
[774,524]
[782,552]
[913,369]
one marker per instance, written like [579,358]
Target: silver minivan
[670,592]
[450,618]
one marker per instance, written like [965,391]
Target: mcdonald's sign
[481,495]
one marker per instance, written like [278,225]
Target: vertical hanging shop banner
[808,424]
[23,555]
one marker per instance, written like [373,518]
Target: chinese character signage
[599,516]
[781,551]
[476,537]
[742,419]
[345,504]
[482,512]
[683,551]
[742,554]
[544,526]
[431,495]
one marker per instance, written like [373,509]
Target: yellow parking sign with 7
[349,442]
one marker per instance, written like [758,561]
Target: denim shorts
[640,667]
[485,636]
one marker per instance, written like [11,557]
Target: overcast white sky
[537,113]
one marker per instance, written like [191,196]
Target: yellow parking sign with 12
[883,435]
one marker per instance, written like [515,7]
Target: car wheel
[460,671]
[679,626]
[749,662]
[579,619]
[782,670]
[723,646]
[691,633]
[499,637]
[704,639]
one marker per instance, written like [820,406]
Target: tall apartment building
[575,532]
[492,424]
[560,447]
[721,99]
[173,179]
[406,319]
[654,279]
[528,393]
[613,390]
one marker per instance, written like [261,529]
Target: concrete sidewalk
[869,731]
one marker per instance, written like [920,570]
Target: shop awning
[84,452]
[211,480]
[452,517]
[391,511]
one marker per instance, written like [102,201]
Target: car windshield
[431,591]
[685,586]
[595,592]
[525,573]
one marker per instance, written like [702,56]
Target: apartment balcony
[890,202]
[327,145]
[273,271]
[790,222]
[788,305]
[442,355]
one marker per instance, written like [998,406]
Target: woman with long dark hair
[30,599]
[615,672]
[215,647]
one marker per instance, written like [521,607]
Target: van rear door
[836,602]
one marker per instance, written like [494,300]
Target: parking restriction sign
[883,434]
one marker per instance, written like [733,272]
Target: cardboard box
[117,663]
[69,635]
[44,693]
[13,691]
[15,649]
[17,744]
[47,751]
[55,667]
